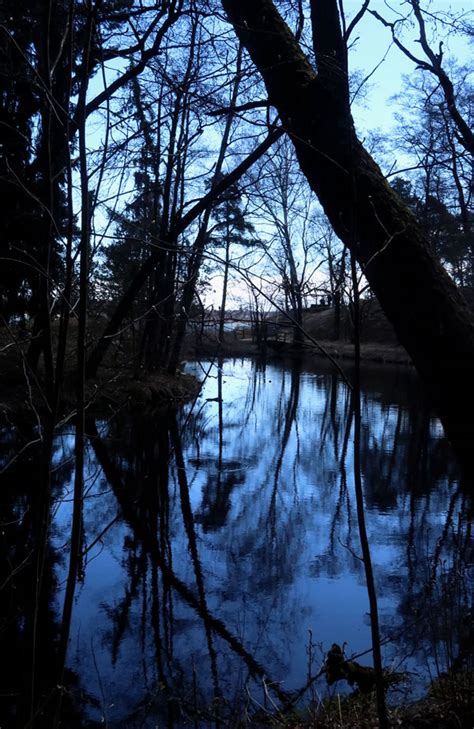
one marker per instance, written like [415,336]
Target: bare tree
[287,207]
[442,172]
[432,62]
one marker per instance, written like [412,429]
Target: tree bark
[430,317]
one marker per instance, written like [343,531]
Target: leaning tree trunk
[430,317]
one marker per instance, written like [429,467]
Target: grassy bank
[378,341]
[118,384]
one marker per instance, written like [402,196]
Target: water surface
[221,549]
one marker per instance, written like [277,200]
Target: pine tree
[40,59]
[443,228]
[136,228]
[230,228]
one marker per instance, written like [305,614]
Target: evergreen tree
[230,228]
[137,227]
[40,59]
[443,228]
[19,106]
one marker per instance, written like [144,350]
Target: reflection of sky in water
[275,532]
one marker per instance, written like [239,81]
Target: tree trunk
[337,316]
[224,289]
[430,317]
[296,299]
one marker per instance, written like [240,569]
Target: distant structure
[322,303]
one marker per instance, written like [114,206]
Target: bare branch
[356,19]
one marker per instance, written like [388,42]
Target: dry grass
[357,711]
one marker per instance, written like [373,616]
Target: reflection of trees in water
[265,530]
[264,542]
[33,679]
[217,493]
[220,521]
[271,555]
[435,617]
[402,464]
[403,457]
[411,474]
[286,422]
[188,520]
[174,670]
[393,436]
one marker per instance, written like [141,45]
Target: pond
[221,558]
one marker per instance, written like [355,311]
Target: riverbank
[118,385]
[246,347]
[21,398]
[379,343]
[448,704]
[359,711]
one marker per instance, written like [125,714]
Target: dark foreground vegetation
[164,164]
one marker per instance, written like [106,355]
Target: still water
[221,555]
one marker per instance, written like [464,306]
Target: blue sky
[373,46]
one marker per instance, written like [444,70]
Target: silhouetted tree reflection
[216,499]
[215,538]
[148,537]
[434,623]
[32,679]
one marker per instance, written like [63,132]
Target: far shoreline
[372,352]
